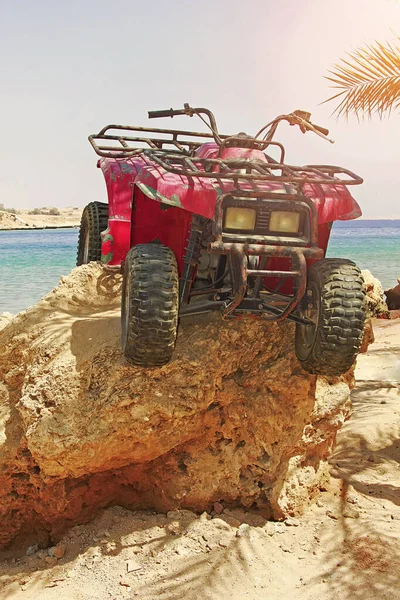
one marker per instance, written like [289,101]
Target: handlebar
[298,117]
[170,112]
[190,111]
[322,130]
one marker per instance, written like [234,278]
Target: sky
[69,68]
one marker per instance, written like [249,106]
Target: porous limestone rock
[376,304]
[5,319]
[231,419]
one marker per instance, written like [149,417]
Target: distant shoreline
[377,219]
[39,228]
[339,223]
[44,218]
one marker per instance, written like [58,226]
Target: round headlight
[242,219]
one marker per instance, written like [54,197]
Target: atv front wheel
[335,303]
[150,304]
[94,220]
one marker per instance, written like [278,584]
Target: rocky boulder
[393,296]
[232,419]
[376,304]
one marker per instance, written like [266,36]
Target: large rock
[376,305]
[393,296]
[232,418]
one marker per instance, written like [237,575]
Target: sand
[68,217]
[346,546]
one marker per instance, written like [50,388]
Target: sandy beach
[24,219]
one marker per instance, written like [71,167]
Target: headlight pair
[244,219]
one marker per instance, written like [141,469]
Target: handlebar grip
[322,130]
[170,112]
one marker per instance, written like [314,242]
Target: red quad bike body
[248,233]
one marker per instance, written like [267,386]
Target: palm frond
[368,81]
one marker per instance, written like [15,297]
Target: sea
[33,261]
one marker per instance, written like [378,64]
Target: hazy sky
[69,68]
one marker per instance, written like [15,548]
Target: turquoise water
[32,264]
[33,261]
[373,245]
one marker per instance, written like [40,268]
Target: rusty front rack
[251,170]
[180,158]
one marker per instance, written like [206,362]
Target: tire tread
[342,314]
[94,220]
[151,272]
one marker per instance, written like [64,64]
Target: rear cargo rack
[173,138]
[170,149]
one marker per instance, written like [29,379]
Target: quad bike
[203,221]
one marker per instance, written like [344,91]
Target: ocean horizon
[34,260]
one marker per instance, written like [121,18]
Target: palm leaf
[368,81]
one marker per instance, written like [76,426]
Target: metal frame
[125,150]
[182,162]
[257,171]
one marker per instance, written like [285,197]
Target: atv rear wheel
[94,220]
[150,305]
[335,304]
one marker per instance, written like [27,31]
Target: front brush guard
[238,254]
